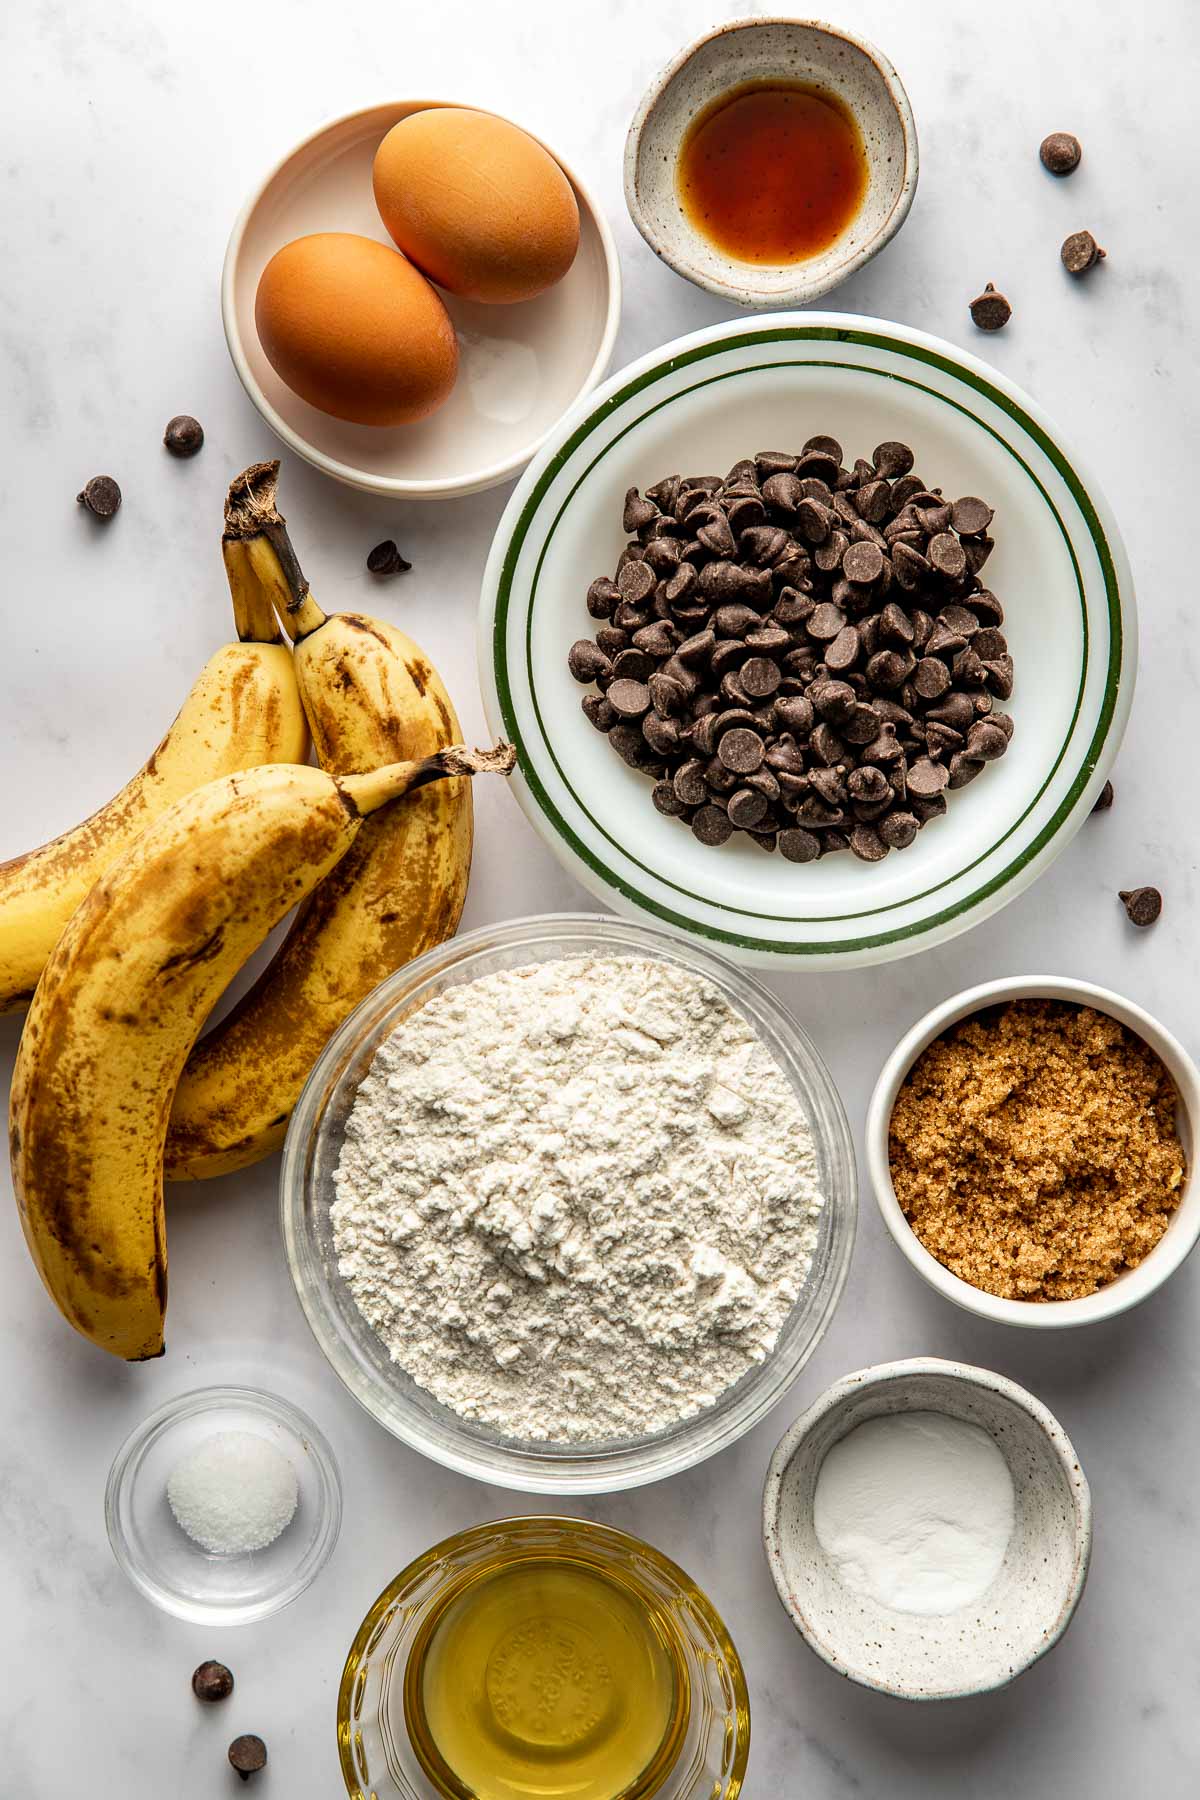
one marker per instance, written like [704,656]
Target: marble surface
[130,134]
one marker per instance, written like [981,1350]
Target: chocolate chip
[1080,252]
[783,492]
[661,734]
[1060,153]
[798,845]
[867,844]
[747,808]
[717,535]
[760,677]
[740,750]
[814,521]
[826,622]
[947,555]
[666,800]
[986,741]
[843,652]
[631,699]
[874,501]
[638,512]
[247,1755]
[898,830]
[629,665]
[586,660]
[602,597]
[689,783]
[1142,905]
[931,678]
[711,825]
[599,712]
[926,779]
[635,582]
[863,563]
[212,1681]
[184,436]
[970,516]
[101,496]
[794,713]
[869,784]
[990,311]
[1105,798]
[963,768]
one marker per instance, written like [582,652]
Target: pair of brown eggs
[473,204]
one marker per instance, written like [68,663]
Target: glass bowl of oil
[541,1658]
[359,1357]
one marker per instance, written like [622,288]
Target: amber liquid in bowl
[546,1677]
[773,172]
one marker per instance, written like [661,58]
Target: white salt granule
[235,1492]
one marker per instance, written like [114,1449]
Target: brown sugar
[1034,1150]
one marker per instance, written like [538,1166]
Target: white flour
[576,1200]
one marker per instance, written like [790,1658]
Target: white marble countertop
[131,133]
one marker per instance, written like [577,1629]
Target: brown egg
[354,329]
[476,204]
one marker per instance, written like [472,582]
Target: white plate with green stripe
[1059,568]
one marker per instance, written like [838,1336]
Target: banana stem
[253,520]
[367,793]
[253,613]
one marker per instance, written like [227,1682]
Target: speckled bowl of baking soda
[1128,1287]
[852,1576]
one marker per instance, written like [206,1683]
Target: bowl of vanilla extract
[539,1658]
[772,159]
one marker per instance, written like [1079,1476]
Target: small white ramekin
[1127,1289]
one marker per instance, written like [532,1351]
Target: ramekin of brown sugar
[1037,1165]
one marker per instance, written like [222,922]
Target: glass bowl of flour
[568,1203]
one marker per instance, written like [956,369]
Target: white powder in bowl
[915,1509]
[578,1200]
[235,1492]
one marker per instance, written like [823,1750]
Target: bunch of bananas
[122,935]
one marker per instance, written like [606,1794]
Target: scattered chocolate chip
[638,512]
[1105,799]
[1080,252]
[970,515]
[101,496]
[1143,905]
[248,1755]
[212,1681]
[184,435]
[1060,153]
[990,311]
[385,559]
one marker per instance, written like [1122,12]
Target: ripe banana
[243,710]
[122,1000]
[371,697]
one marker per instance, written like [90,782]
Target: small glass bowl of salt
[224,1505]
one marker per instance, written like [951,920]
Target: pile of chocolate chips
[801,651]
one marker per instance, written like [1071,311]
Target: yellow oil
[546,1678]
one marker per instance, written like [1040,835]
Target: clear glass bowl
[377,1758]
[156,1553]
[310,1157]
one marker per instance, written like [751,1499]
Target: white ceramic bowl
[771,50]
[700,404]
[520,367]
[356,1354]
[1027,1607]
[1128,1289]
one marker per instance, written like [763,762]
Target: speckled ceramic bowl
[771,50]
[1033,1598]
